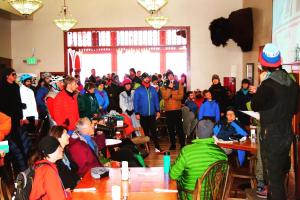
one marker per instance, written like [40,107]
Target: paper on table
[251,114]
[164,190]
[91,189]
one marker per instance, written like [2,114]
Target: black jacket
[10,100]
[113,92]
[68,176]
[240,104]
[219,93]
[276,100]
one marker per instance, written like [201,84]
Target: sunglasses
[14,74]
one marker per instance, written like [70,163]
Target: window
[119,49]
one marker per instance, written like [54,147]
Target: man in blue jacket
[146,108]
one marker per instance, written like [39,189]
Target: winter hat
[215,76]
[270,56]
[25,77]
[126,81]
[205,128]
[246,81]
[145,75]
[154,78]
[48,145]
[168,73]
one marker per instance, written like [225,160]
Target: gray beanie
[205,129]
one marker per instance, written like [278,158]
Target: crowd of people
[70,146]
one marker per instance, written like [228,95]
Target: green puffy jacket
[193,161]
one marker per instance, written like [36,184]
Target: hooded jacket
[27,97]
[276,100]
[146,101]
[209,109]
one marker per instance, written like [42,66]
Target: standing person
[219,93]
[146,109]
[30,113]
[41,92]
[183,81]
[65,105]
[11,105]
[57,85]
[136,81]
[46,184]
[172,93]
[113,92]
[87,102]
[126,102]
[102,97]
[276,101]
[209,108]
[242,97]
[92,78]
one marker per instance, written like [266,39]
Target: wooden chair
[139,140]
[242,174]
[5,193]
[212,184]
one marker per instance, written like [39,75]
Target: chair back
[212,184]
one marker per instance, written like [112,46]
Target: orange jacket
[46,183]
[172,98]
[5,125]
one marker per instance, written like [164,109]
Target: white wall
[206,59]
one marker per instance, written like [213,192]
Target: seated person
[46,183]
[231,127]
[209,108]
[83,148]
[190,102]
[194,159]
[67,168]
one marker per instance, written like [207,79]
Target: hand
[252,89]
[157,115]
[138,117]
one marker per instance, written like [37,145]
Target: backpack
[23,183]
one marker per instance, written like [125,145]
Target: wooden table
[246,146]
[141,185]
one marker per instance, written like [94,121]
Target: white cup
[116,192]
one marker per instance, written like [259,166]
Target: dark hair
[89,85]
[57,131]
[205,91]
[35,155]
[230,108]
[271,69]
[39,85]
[132,70]
[6,72]
[183,75]
[159,76]
[188,93]
[77,76]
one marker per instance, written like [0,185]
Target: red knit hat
[126,81]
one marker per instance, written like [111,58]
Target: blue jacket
[102,98]
[145,101]
[209,109]
[223,131]
[191,105]
[40,95]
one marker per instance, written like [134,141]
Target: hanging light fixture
[157,21]
[65,21]
[26,7]
[152,5]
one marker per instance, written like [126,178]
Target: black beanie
[48,145]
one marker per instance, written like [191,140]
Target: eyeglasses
[14,74]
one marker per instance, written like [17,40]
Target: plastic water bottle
[167,162]
[124,171]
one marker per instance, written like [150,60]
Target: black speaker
[238,27]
